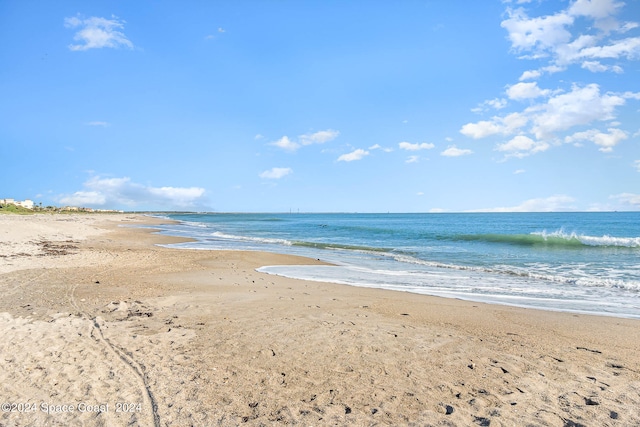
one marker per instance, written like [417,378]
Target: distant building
[25,203]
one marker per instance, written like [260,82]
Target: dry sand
[101,327]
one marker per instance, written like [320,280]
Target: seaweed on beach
[50,248]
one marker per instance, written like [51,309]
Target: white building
[25,203]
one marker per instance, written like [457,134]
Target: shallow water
[580,262]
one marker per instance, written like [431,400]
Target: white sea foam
[605,240]
[252,239]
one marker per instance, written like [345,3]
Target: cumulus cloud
[319,137]
[530,75]
[276,173]
[598,67]
[606,141]
[415,147]
[550,204]
[354,155]
[582,106]
[506,125]
[526,91]
[586,34]
[558,38]
[482,128]
[536,34]
[453,151]
[629,199]
[522,146]
[116,192]
[286,144]
[307,139]
[96,33]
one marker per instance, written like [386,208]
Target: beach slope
[102,327]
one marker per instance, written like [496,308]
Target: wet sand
[101,327]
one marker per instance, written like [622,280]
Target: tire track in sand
[126,358]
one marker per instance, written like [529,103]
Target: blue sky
[367,106]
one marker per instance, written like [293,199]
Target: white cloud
[636,165]
[628,199]
[307,139]
[518,171]
[276,173]
[555,36]
[454,151]
[103,124]
[375,147]
[526,91]
[481,129]
[549,204]
[530,75]
[536,34]
[563,39]
[319,137]
[597,67]
[412,159]
[379,147]
[113,192]
[497,125]
[96,33]
[522,146]
[581,106]
[606,141]
[496,104]
[84,199]
[415,147]
[628,48]
[597,9]
[286,144]
[354,155]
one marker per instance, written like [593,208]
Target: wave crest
[558,238]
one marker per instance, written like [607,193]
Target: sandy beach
[102,327]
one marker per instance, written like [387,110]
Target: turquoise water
[578,262]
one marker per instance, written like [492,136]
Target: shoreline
[201,337]
[590,306]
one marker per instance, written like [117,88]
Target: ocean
[574,262]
